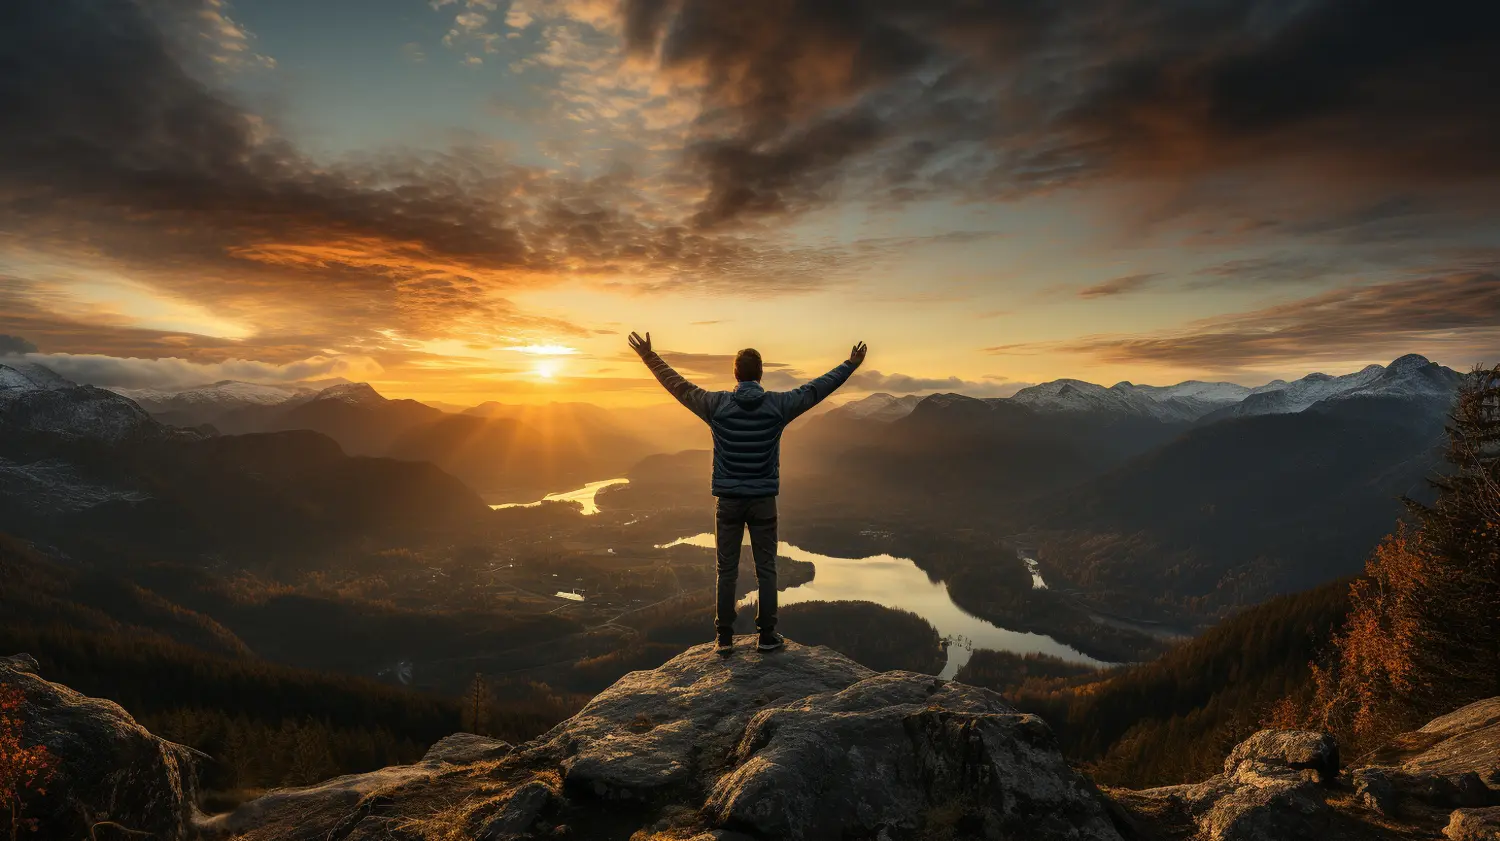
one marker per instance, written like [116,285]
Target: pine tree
[476,713]
[1464,526]
[1423,633]
[311,759]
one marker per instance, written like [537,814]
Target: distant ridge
[1410,377]
[878,407]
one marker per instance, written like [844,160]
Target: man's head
[747,365]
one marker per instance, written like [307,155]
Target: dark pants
[731,516]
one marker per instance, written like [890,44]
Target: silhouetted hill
[661,427]
[89,469]
[358,417]
[1237,511]
[41,592]
[515,454]
[245,494]
[962,457]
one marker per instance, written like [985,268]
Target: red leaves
[24,770]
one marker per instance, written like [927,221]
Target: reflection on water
[584,496]
[897,582]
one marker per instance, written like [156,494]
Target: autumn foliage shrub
[25,769]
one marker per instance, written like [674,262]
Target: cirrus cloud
[1451,314]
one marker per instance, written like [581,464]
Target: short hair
[747,365]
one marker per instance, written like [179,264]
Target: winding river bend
[899,583]
[583,497]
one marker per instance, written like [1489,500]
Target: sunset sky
[469,200]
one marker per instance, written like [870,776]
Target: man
[747,425]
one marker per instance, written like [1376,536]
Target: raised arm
[696,399]
[800,399]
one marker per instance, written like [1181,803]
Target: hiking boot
[770,641]
[726,641]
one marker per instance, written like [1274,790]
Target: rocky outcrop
[799,744]
[340,804]
[1440,781]
[898,754]
[112,778]
[802,744]
[1274,787]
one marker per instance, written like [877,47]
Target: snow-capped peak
[1219,392]
[880,407]
[1182,402]
[1411,377]
[225,393]
[34,397]
[357,394]
[17,375]
[1281,397]
[1409,362]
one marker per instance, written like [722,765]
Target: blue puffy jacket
[747,424]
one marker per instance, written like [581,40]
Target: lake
[584,497]
[900,583]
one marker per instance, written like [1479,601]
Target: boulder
[1274,788]
[514,816]
[900,752]
[656,731]
[1467,739]
[1295,750]
[1474,825]
[1285,785]
[111,777]
[1451,762]
[466,749]
[1375,790]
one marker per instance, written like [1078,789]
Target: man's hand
[857,355]
[642,346]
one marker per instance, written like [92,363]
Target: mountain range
[1253,488]
[499,449]
[208,404]
[1143,508]
[1411,377]
[82,466]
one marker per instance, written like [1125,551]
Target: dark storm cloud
[101,113]
[113,139]
[15,345]
[903,98]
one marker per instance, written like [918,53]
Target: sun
[546,369]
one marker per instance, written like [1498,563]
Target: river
[900,583]
[584,497]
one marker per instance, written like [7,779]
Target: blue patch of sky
[346,81]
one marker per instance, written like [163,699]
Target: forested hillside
[1169,720]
